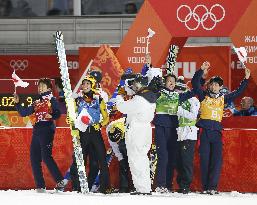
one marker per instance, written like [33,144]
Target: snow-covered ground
[29,197]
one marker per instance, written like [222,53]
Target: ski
[153,162]
[60,49]
[172,58]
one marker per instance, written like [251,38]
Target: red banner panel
[174,21]
[15,167]
[190,59]
[245,34]
[134,45]
[37,66]
[190,17]
[239,172]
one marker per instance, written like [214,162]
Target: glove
[116,136]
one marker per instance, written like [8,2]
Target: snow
[28,197]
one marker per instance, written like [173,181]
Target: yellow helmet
[91,80]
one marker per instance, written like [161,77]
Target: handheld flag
[241,54]
[18,82]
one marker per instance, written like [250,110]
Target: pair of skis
[60,49]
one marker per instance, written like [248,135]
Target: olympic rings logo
[200,20]
[19,64]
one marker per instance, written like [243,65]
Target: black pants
[88,154]
[185,163]
[41,149]
[210,158]
[167,149]
[123,167]
[93,145]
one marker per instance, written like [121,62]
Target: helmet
[116,130]
[91,80]
[216,79]
[116,136]
[97,75]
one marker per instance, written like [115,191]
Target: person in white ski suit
[140,112]
[116,132]
[187,137]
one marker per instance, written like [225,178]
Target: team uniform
[140,112]
[42,137]
[166,124]
[91,138]
[187,136]
[116,137]
[116,131]
[211,113]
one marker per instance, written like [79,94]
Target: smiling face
[170,82]
[215,87]
[42,88]
[86,86]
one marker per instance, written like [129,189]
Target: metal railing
[37,33]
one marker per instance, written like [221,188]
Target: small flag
[151,33]
[241,53]
[18,82]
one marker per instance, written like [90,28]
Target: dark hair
[97,75]
[170,75]
[58,83]
[46,81]
[216,79]
[131,8]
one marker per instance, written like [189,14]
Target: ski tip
[59,35]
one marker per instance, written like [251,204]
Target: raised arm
[231,96]
[197,78]
[147,65]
